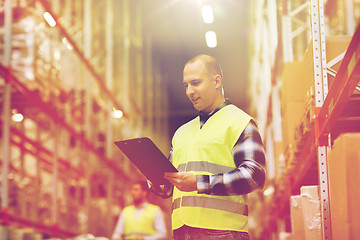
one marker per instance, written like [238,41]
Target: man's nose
[189,90]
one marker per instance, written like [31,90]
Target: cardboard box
[297,220]
[292,113]
[297,78]
[335,45]
[344,167]
[310,200]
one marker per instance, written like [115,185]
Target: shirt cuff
[203,184]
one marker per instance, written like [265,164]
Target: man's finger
[170,175]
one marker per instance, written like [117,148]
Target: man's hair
[143,184]
[211,64]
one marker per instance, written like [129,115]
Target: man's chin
[197,107]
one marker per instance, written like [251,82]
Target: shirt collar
[204,117]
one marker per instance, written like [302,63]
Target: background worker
[142,220]
[220,158]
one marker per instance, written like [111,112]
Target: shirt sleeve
[159,225]
[249,157]
[119,229]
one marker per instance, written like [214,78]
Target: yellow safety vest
[143,224]
[208,151]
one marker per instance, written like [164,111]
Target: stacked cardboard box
[295,83]
[344,168]
[14,233]
[32,236]
[335,45]
[296,90]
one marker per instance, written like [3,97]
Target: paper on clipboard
[147,157]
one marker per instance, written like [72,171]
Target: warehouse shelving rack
[54,164]
[331,118]
[47,158]
[336,110]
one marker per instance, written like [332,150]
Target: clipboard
[147,157]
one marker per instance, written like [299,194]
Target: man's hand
[183,181]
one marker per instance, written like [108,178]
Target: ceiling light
[17,117]
[67,44]
[57,54]
[210,37]
[117,113]
[50,20]
[269,191]
[207,14]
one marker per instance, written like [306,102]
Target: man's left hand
[183,181]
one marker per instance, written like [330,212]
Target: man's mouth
[195,101]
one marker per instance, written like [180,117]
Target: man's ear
[218,81]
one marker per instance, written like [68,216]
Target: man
[220,158]
[141,221]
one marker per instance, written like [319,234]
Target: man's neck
[219,102]
[219,105]
[140,204]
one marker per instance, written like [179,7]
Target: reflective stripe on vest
[209,151]
[219,204]
[212,168]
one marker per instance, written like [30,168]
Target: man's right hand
[183,181]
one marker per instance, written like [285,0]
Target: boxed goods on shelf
[14,233]
[285,236]
[292,113]
[335,45]
[297,219]
[307,120]
[290,158]
[280,160]
[32,236]
[344,167]
[310,200]
[297,77]
[305,214]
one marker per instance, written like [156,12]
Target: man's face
[137,193]
[200,87]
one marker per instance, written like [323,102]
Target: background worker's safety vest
[141,225]
[209,151]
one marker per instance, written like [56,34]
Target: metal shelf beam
[53,230]
[34,148]
[344,84]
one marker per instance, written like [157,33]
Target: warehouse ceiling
[179,34]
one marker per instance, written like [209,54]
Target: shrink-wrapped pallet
[310,200]
[297,219]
